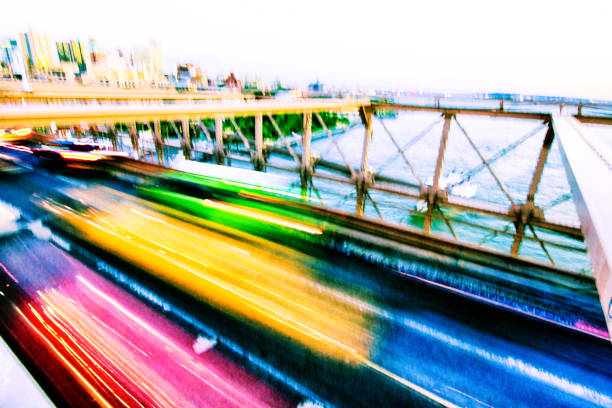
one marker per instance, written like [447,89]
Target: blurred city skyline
[542,48]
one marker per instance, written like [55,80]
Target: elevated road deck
[49,91]
[76,115]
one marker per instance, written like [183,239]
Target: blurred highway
[96,343]
[352,332]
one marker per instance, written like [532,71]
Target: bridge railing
[508,216]
[415,177]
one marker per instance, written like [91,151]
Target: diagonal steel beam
[364,179]
[205,130]
[133,131]
[369,197]
[333,139]
[282,136]
[316,190]
[433,190]
[258,159]
[558,200]
[157,141]
[543,156]
[402,153]
[330,145]
[184,137]
[112,134]
[523,217]
[411,142]
[447,222]
[176,130]
[501,153]
[485,163]
[245,141]
[542,245]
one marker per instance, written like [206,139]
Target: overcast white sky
[535,46]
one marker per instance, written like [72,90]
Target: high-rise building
[96,55]
[11,58]
[148,62]
[74,52]
[38,50]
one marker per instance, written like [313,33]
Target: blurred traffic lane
[228,273]
[423,337]
[90,337]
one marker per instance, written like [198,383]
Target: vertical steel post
[112,135]
[537,174]
[134,139]
[259,161]
[186,139]
[219,152]
[364,177]
[525,212]
[432,192]
[306,168]
[157,141]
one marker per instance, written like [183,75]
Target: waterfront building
[185,76]
[73,52]
[39,54]
[96,55]
[232,82]
[256,83]
[220,80]
[148,63]
[316,87]
[11,58]
[116,69]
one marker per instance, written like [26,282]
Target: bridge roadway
[460,352]
[69,115]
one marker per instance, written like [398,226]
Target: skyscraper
[39,53]
[148,62]
[12,58]
[75,52]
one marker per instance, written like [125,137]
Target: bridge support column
[306,165]
[186,139]
[112,135]
[364,178]
[134,139]
[219,152]
[432,193]
[157,141]
[524,213]
[259,161]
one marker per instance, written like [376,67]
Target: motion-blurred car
[38,150]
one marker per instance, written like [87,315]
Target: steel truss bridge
[589,172]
